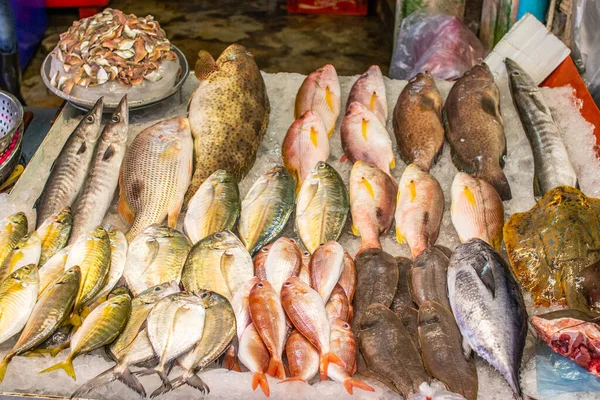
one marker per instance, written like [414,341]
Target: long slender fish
[71,166]
[155,174]
[550,158]
[99,188]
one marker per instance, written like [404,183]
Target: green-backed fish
[51,310]
[155,256]
[322,207]
[26,252]
[71,166]
[219,263]
[266,208]
[91,253]
[53,269]
[118,253]
[214,207]
[219,331]
[54,233]
[12,230]
[100,328]
[18,294]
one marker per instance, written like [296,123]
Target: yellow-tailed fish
[26,252]
[100,328]
[214,207]
[320,92]
[51,310]
[372,203]
[12,230]
[53,269]
[155,256]
[305,144]
[266,208]
[322,207]
[54,233]
[91,253]
[419,209]
[118,253]
[18,294]
[477,210]
[155,174]
[219,263]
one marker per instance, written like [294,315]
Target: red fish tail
[276,369]
[260,379]
[324,364]
[351,383]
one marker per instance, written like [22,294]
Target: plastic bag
[557,375]
[585,38]
[434,42]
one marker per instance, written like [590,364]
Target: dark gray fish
[403,305]
[488,307]
[429,277]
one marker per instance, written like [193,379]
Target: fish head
[428,313]
[306,257]
[65,216]
[92,120]
[221,176]
[28,241]
[328,253]
[224,240]
[286,245]
[211,299]
[18,218]
[116,127]
[422,83]
[372,315]
[431,256]
[461,181]
[341,327]
[26,275]
[99,233]
[154,294]
[517,75]
[310,121]
[293,286]
[370,80]
[479,72]
[118,291]
[275,173]
[262,291]
[357,113]
[234,52]
[326,76]
[72,275]
[119,299]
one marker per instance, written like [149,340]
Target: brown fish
[369,90]
[305,144]
[376,281]
[388,350]
[228,114]
[372,203]
[303,357]
[155,174]
[326,267]
[320,92]
[590,284]
[403,305]
[418,122]
[441,348]
[429,277]
[338,307]
[475,129]
[364,137]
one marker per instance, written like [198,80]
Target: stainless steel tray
[87,104]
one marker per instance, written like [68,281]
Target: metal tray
[87,104]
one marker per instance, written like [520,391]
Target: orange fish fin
[324,363]
[124,208]
[469,196]
[260,379]
[364,127]
[399,236]
[393,163]
[276,369]
[355,383]
[344,158]
[314,137]
[205,65]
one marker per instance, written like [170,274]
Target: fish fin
[355,383]
[205,65]
[108,153]
[196,382]
[124,207]
[175,383]
[486,274]
[364,129]
[75,319]
[153,248]
[537,188]
[293,379]
[399,236]
[368,187]
[490,102]
[276,369]
[171,151]
[226,262]
[344,158]
[329,98]
[131,381]
[314,137]
[393,163]
[467,351]
[324,363]
[469,196]
[103,379]
[260,379]
[173,214]
[498,180]
[373,101]
[230,359]
[66,365]
[3,365]
[52,351]
[355,231]
[413,190]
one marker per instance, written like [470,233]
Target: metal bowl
[11,155]
[11,119]
[87,104]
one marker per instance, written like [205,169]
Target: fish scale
[155,174]
[100,185]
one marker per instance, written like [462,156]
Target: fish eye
[218,235]
[322,244]
[265,250]
[89,119]
[292,240]
[346,326]
[287,283]
[115,118]
[259,284]
[306,253]
[320,70]
[157,289]
[348,112]
[516,73]
[204,295]
[321,165]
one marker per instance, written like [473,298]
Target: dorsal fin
[205,65]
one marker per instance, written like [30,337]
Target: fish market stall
[22,375]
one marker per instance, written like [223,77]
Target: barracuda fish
[99,187]
[155,174]
[71,166]
[550,158]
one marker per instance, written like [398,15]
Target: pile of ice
[22,372]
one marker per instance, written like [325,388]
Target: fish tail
[3,365]
[324,364]
[103,379]
[293,379]
[66,365]
[498,180]
[369,242]
[129,379]
[276,369]
[230,361]
[175,383]
[260,379]
[351,383]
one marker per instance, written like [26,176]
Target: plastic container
[31,24]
